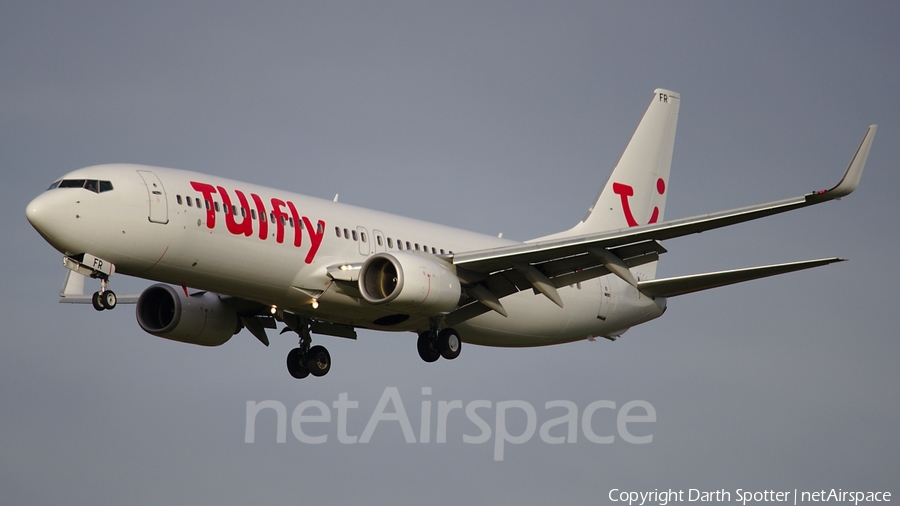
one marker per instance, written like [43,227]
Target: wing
[546,265]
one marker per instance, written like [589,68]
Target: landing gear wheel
[296,365]
[108,299]
[96,302]
[428,348]
[318,361]
[449,344]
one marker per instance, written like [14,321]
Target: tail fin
[635,193]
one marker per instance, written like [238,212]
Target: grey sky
[498,117]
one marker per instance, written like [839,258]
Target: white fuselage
[151,232]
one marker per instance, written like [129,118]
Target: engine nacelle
[197,319]
[410,283]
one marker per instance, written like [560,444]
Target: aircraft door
[159,208]
[379,241]
[606,299]
[363,240]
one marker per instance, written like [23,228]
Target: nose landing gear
[97,268]
[104,299]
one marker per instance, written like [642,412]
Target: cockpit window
[88,184]
[72,183]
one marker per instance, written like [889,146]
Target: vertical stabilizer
[635,193]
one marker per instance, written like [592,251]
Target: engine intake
[201,318]
[411,283]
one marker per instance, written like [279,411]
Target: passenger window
[407,245]
[243,213]
[346,234]
[233,210]
[433,252]
[291,222]
[353,233]
[337,232]
[378,238]
[442,251]
[253,213]
[207,203]
[262,216]
[105,186]
[272,217]
[417,246]
[178,199]
[320,228]
[390,243]
[217,206]
[362,235]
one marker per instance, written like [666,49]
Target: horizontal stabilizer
[670,287]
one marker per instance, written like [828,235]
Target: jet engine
[410,282]
[201,318]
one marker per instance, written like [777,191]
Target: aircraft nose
[44,215]
[54,215]
[36,212]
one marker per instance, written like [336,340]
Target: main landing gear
[435,344]
[306,360]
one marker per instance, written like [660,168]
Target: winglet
[850,180]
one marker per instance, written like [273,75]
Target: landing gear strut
[305,360]
[435,344]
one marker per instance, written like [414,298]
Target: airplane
[254,257]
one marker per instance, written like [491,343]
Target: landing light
[273,310]
[315,304]
[346,267]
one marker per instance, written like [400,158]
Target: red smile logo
[625,191]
